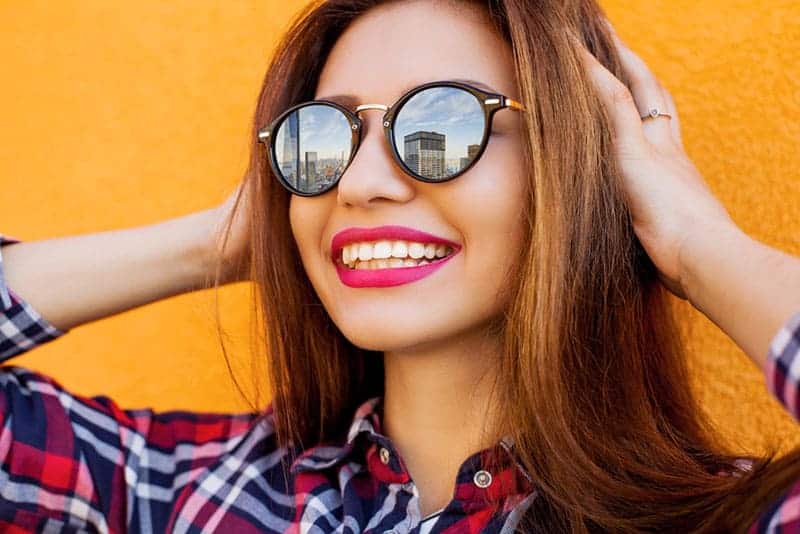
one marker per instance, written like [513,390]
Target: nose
[373,173]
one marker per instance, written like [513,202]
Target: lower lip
[394,276]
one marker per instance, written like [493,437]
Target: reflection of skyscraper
[291,147]
[423,152]
[472,151]
[311,167]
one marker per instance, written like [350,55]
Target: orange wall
[120,114]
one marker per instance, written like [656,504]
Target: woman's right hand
[236,252]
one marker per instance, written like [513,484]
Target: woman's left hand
[669,200]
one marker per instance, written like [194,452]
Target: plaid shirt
[74,463]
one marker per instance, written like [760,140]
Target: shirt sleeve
[782,374]
[782,369]
[22,328]
[72,463]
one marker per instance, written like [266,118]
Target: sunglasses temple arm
[513,104]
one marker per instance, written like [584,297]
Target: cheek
[295,216]
[308,218]
[491,207]
[493,198]
[307,224]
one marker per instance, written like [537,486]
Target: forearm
[78,279]
[745,287]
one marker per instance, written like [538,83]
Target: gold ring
[653,113]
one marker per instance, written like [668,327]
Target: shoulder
[782,367]
[139,459]
[248,485]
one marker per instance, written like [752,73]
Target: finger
[617,99]
[675,123]
[647,92]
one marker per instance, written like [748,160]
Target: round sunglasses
[436,132]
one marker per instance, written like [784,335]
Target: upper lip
[378,233]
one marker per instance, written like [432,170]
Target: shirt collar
[324,455]
[380,457]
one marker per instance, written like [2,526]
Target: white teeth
[382,250]
[365,251]
[416,250]
[399,249]
[386,254]
[388,264]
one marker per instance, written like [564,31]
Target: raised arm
[745,287]
[77,463]
[78,279]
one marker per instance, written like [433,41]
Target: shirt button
[384,453]
[482,479]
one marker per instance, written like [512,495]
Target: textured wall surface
[121,114]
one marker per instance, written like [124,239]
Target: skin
[437,354]
[748,289]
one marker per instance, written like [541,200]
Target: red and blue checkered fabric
[783,381]
[72,463]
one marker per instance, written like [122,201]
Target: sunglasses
[436,132]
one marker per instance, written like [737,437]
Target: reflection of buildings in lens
[325,171]
[471,151]
[291,145]
[423,152]
[310,165]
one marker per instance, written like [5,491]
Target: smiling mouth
[391,254]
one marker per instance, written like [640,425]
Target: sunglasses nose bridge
[364,107]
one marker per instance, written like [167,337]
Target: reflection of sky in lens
[323,129]
[446,110]
[312,146]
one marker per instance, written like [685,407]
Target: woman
[518,370]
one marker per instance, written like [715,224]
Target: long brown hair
[595,390]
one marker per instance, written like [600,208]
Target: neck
[436,410]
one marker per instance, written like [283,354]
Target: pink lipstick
[390,276]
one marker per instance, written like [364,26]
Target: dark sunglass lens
[312,147]
[438,131]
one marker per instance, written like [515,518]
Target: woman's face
[385,52]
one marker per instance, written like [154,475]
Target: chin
[386,334]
